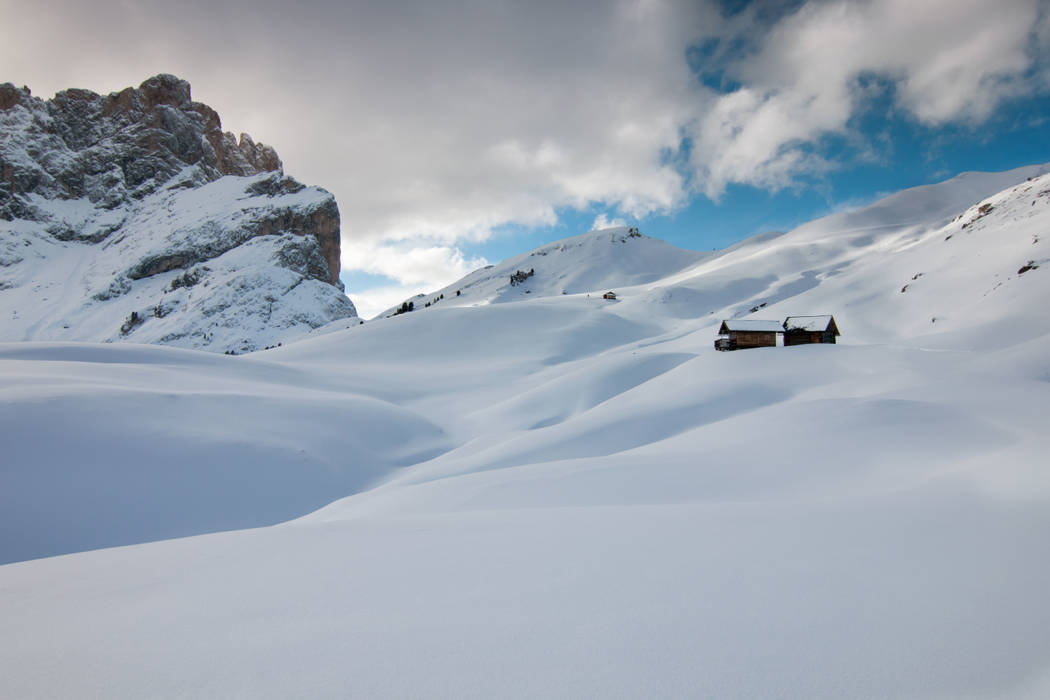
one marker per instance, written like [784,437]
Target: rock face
[109,147]
[106,201]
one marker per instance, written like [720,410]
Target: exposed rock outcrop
[82,144]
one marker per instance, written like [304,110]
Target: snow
[807,323]
[229,289]
[590,263]
[551,495]
[115,444]
[749,324]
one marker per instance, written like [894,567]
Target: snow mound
[127,443]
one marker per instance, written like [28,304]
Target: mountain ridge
[810,253]
[135,207]
[610,257]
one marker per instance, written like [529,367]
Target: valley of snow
[555,495]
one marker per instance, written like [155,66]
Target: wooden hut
[609,295]
[741,333]
[804,330]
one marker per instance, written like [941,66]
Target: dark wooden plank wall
[753,339]
[808,337]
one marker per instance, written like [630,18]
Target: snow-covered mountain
[591,262]
[133,216]
[921,264]
[563,496]
[753,276]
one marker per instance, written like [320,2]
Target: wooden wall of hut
[797,337]
[753,339]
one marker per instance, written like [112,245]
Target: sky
[454,133]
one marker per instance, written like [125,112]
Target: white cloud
[414,266]
[409,264]
[602,221]
[375,300]
[430,122]
[948,61]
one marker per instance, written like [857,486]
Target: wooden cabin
[609,295]
[742,333]
[804,330]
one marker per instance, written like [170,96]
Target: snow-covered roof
[749,324]
[809,323]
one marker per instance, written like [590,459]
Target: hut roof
[811,323]
[749,324]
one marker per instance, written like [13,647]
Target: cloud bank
[435,122]
[813,72]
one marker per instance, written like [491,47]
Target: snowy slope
[188,261]
[933,239]
[567,497]
[596,261]
[761,270]
[115,444]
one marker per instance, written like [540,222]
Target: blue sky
[459,132]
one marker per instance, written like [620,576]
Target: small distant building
[742,333]
[804,330]
[609,295]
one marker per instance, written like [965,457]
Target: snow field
[559,496]
[116,444]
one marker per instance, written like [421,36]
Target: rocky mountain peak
[141,188]
[109,148]
[165,89]
[11,95]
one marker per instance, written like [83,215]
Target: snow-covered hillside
[561,496]
[927,264]
[595,261]
[134,217]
